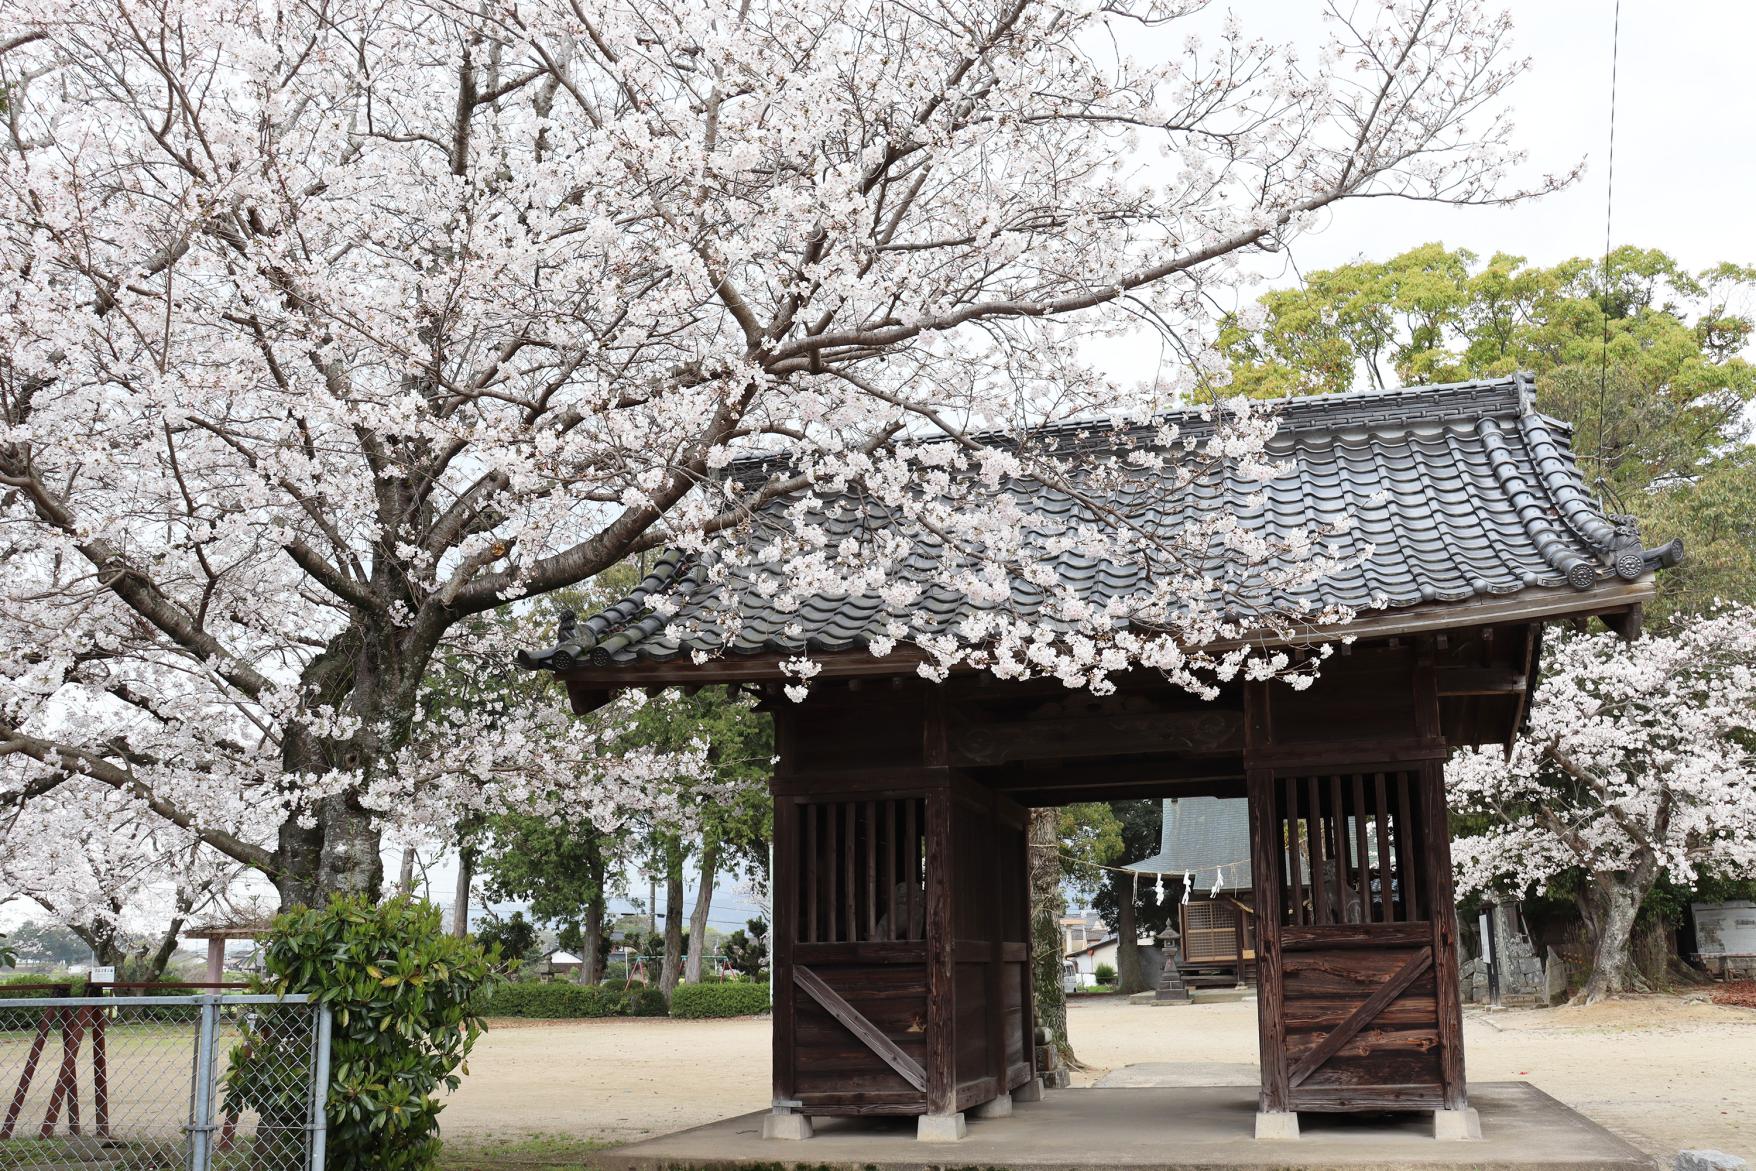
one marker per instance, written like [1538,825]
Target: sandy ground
[1663,1073]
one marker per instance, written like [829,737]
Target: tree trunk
[466,873]
[1046,907]
[673,962]
[1614,899]
[405,880]
[698,916]
[591,968]
[1129,977]
[591,932]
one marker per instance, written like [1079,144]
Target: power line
[1603,368]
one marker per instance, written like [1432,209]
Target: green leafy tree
[1129,904]
[1644,357]
[406,998]
[45,943]
[563,869]
[746,949]
[514,938]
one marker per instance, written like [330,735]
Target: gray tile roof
[1463,490]
[1206,836]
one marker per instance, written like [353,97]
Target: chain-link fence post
[320,1091]
[201,1089]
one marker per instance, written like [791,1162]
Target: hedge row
[76,985]
[696,1001]
[562,1001]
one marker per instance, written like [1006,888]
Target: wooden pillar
[941,929]
[785,933]
[1442,904]
[216,959]
[1270,1021]
[1265,848]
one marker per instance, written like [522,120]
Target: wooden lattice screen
[1210,931]
[861,871]
[1349,846]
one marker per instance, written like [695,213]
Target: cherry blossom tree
[117,875]
[1639,762]
[328,324]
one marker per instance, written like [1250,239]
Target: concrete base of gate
[1179,1128]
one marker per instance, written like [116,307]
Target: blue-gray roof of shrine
[1463,490]
[1207,838]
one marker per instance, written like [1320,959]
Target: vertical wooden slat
[1407,851]
[1363,848]
[831,867]
[871,870]
[1386,870]
[1291,821]
[1338,848]
[911,841]
[812,875]
[1314,837]
[850,887]
[890,848]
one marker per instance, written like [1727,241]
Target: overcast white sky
[1685,163]
[1685,128]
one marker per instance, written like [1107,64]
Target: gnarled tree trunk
[1611,902]
[1046,908]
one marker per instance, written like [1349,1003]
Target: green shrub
[406,998]
[560,1001]
[75,985]
[1105,974]
[696,1001]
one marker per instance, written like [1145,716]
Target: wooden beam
[868,1033]
[1482,681]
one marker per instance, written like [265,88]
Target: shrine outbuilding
[901,941]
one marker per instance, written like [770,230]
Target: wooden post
[1441,902]
[1264,829]
[45,1025]
[786,931]
[216,959]
[941,959]
[1442,910]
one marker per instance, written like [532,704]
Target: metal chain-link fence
[163,1083]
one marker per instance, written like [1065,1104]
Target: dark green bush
[76,985]
[1105,974]
[407,1001]
[565,1001]
[739,998]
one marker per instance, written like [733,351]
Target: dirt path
[1661,1072]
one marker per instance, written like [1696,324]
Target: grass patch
[536,1152]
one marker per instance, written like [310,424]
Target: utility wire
[1603,368]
